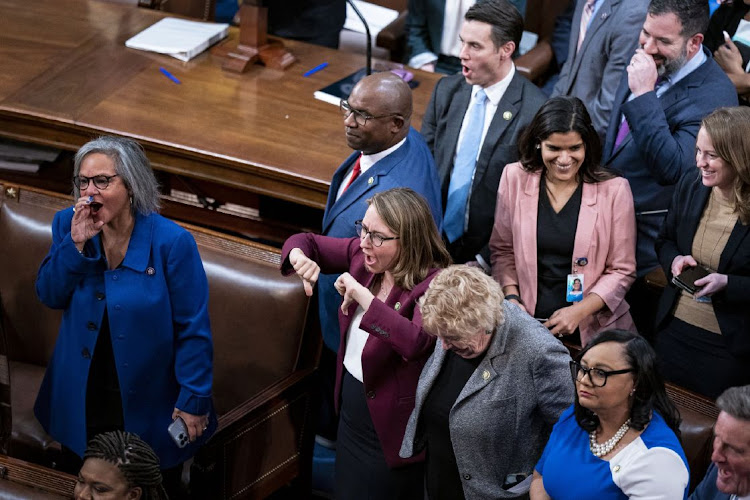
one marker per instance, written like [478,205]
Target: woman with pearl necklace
[619,439]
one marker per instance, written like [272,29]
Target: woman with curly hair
[119,466]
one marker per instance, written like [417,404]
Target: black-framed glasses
[100,181]
[377,239]
[597,376]
[360,117]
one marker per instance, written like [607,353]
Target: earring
[539,146]
[131,200]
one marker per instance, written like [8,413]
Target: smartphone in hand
[179,433]
[687,278]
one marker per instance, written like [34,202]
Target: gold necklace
[730,222]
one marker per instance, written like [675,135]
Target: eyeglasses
[597,376]
[360,117]
[377,239]
[100,181]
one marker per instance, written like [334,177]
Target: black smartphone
[179,433]
[687,278]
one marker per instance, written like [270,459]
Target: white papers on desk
[377,17]
[21,157]
[179,38]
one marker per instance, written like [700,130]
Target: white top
[742,35]
[355,344]
[494,92]
[633,471]
[450,44]
[453,19]
[365,162]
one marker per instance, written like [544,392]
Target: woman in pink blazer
[383,346]
[561,224]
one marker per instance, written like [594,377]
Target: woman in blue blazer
[134,349]
[703,342]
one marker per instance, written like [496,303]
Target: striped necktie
[588,9]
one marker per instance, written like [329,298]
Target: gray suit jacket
[594,73]
[503,416]
[440,128]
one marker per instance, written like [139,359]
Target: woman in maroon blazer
[383,346]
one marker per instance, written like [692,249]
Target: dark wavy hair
[561,115]
[650,393]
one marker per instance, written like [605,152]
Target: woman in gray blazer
[489,394]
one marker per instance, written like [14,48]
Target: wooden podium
[253,45]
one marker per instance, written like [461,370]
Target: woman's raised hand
[352,291]
[307,269]
[83,227]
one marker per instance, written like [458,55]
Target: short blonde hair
[460,302]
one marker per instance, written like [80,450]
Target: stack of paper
[179,38]
[21,157]
[377,17]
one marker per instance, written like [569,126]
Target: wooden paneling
[68,77]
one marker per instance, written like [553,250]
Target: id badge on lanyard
[575,283]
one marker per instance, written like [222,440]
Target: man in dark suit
[603,35]
[388,153]
[728,478]
[472,125]
[670,84]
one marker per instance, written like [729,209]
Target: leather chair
[266,348]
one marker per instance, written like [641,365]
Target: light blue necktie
[463,170]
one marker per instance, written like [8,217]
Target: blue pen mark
[315,69]
[169,75]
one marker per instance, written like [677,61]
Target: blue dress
[652,466]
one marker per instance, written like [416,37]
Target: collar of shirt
[365,162]
[684,71]
[494,93]
[368,161]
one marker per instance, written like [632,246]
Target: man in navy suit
[728,478]
[670,84]
[388,153]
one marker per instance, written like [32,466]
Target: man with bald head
[388,153]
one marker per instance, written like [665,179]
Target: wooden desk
[67,77]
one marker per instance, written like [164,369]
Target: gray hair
[131,165]
[736,402]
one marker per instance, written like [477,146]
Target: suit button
[85,354]
[467,476]
[371,394]
[115,277]
[99,296]
[91,326]
[118,307]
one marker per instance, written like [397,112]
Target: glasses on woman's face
[377,239]
[597,376]
[100,181]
